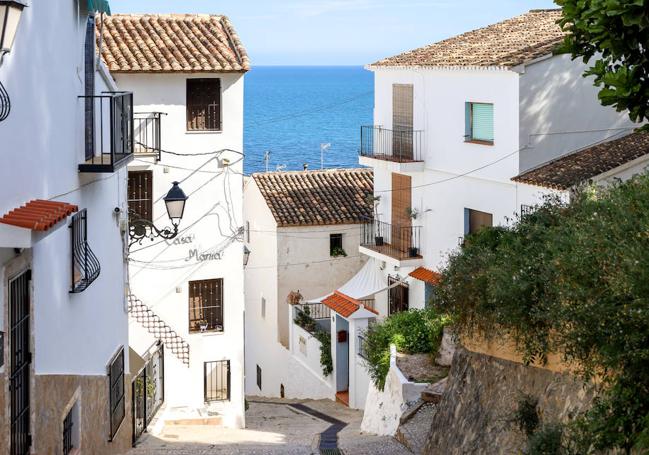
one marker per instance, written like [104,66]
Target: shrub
[571,278]
[412,332]
[526,416]
[547,441]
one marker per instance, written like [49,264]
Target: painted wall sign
[184,240]
[197,256]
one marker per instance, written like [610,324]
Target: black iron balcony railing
[109,131]
[401,145]
[398,242]
[147,133]
[312,317]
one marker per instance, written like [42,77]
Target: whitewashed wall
[555,98]
[41,143]
[160,270]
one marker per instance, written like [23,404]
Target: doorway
[20,358]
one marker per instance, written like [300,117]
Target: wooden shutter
[402,120]
[401,201]
[203,104]
[140,193]
[478,220]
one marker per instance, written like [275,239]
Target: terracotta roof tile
[342,304]
[426,275]
[312,198]
[582,165]
[506,44]
[39,215]
[166,43]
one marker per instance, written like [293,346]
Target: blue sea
[291,110]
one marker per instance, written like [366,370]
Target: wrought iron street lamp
[10,11]
[140,229]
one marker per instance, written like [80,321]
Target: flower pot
[378,241]
[413,252]
[203,327]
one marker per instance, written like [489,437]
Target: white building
[187,75]
[64,367]
[453,123]
[303,233]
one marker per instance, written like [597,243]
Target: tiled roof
[39,215]
[425,275]
[582,165]
[506,44]
[312,198]
[344,305]
[165,43]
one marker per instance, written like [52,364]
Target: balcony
[393,243]
[399,150]
[147,134]
[109,131]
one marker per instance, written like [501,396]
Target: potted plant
[202,324]
[375,200]
[413,213]
[338,252]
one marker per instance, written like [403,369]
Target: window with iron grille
[336,245]
[259,377]
[526,209]
[216,380]
[362,353]
[68,443]
[85,265]
[206,305]
[117,402]
[204,104]
[140,194]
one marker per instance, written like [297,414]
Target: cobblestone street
[274,427]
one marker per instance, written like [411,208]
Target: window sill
[208,332]
[203,131]
[479,141]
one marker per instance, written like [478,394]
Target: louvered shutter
[482,120]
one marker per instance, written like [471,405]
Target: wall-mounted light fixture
[140,229]
[10,12]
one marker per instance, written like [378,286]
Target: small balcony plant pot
[202,325]
[413,251]
[378,241]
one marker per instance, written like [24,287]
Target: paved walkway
[275,427]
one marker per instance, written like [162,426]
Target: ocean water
[291,110]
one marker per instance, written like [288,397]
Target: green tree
[614,33]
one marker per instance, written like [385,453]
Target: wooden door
[402,123]
[401,222]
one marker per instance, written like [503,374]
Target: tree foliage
[572,279]
[614,35]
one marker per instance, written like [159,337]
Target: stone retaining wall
[482,395]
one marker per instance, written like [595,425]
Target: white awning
[364,285]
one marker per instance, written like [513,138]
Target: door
[402,113]
[20,359]
[401,222]
[397,296]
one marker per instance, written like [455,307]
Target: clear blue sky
[340,32]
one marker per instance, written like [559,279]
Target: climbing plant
[570,278]
[326,360]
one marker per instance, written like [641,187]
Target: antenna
[323,148]
[267,158]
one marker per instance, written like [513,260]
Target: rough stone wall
[53,396]
[482,395]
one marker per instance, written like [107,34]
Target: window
[206,305]
[140,194]
[474,220]
[216,380]
[203,104]
[85,265]
[479,123]
[429,293]
[336,245]
[259,377]
[116,392]
[526,209]
[71,429]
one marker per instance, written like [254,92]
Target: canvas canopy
[366,283]
[100,6]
